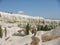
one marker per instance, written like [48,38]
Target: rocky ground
[26,40]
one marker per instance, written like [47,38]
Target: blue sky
[43,8]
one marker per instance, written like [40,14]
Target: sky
[42,8]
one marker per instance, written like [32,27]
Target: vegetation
[27,29]
[5,32]
[46,28]
[43,28]
[1,34]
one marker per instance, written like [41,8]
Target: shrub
[1,34]
[42,28]
[45,28]
[27,29]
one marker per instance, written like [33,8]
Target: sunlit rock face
[23,19]
[19,18]
[56,31]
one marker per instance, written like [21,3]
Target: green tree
[27,29]
[42,27]
[1,34]
[45,28]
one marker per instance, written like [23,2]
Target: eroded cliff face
[24,19]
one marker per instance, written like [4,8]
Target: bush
[43,28]
[1,34]
[27,29]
